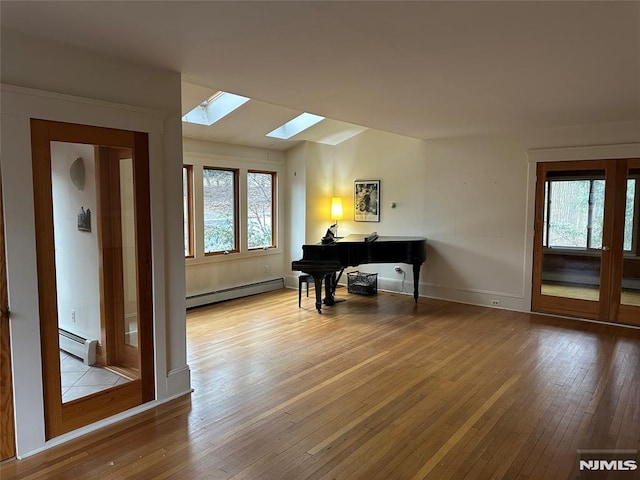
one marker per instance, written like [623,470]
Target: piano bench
[304,278]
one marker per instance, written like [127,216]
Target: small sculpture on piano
[330,236]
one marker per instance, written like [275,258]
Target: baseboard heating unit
[78,346]
[234,292]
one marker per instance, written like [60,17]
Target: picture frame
[366,200]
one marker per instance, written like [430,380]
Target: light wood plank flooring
[374,388]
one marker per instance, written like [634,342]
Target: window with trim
[261,209]
[220,202]
[187,208]
[574,212]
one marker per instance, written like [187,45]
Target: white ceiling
[422,69]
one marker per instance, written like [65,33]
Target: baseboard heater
[234,292]
[78,346]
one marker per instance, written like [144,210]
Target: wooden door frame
[115,351]
[559,305]
[608,308]
[61,418]
[7,417]
[627,313]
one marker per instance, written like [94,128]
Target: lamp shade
[336,208]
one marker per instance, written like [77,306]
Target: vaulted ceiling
[422,69]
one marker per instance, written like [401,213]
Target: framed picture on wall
[366,201]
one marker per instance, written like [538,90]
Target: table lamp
[336,211]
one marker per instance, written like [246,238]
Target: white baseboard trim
[234,292]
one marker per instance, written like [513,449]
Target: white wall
[470,196]
[398,162]
[480,207]
[206,274]
[295,207]
[46,80]
[76,252]
[319,185]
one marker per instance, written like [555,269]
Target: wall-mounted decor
[76,173]
[366,202]
[84,220]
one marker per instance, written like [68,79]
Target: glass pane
[77,247]
[631,263]
[574,212]
[597,214]
[259,209]
[545,230]
[186,211]
[629,217]
[219,210]
[568,213]
[129,263]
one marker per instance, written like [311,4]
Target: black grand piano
[324,261]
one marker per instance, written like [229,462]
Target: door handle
[605,249]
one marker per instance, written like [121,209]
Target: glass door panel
[573,216]
[570,221]
[129,337]
[80,226]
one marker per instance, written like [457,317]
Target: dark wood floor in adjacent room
[374,388]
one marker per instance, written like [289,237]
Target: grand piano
[324,261]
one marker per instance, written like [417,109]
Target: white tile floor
[79,379]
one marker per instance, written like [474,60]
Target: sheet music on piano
[372,237]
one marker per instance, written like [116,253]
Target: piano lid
[360,238]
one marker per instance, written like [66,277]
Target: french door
[587,240]
[92,213]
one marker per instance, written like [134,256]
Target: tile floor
[79,379]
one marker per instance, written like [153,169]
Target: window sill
[582,253]
[203,260]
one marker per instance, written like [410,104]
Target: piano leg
[329,288]
[317,280]
[416,278]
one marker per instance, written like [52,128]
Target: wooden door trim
[61,418]
[45,261]
[614,257]
[109,234]
[145,262]
[629,313]
[7,417]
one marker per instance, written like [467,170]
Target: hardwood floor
[374,388]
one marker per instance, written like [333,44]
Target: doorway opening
[587,239]
[91,192]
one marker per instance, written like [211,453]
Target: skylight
[214,108]
[295,126]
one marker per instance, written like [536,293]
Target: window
[293,127]
[260,209]
[219,105]
[187,207]
[220,199]
[574,213]
[235,212]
